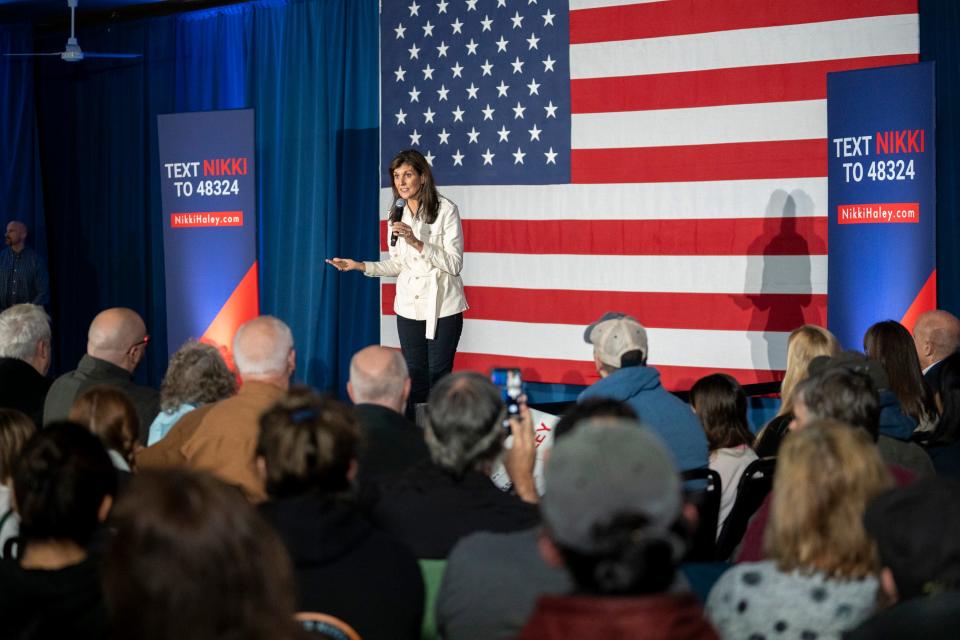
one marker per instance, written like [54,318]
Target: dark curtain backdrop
[309,69]
[21,197]
[939,41]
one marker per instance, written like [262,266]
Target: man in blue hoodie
[620,354]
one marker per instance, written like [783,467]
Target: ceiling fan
[73,52]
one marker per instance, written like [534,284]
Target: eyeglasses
[142,342]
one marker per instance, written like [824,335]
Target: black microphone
[395,216]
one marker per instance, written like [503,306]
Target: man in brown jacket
[222,437]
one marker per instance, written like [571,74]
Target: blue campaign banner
[882,198]
[208,193]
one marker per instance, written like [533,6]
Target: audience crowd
[231,504]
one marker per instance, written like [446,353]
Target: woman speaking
[426,255]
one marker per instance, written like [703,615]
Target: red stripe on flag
[711,237]
[659,19]
[708,311]
[584,373]
[688,163]
[741,85]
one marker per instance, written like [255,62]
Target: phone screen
[510,383]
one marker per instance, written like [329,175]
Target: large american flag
[665,159]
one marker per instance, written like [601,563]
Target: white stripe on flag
[597,4]
[760,122]
[651,201]
[862,37]
[663,274]
[676,347]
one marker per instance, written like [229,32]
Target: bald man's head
[379,376]
[263,350]
[936,336]
[118,335]
[16,235]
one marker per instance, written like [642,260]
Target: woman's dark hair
[890,344]
[721,404]
[60,481]
[307,443]
[948,429]
[632,561]
[16,428]
[191,559]
[428,197]
[592,408]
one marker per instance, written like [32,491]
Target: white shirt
[730,463]
[428,282]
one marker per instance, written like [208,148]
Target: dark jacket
[38,604]
[23,388]
[346,568]
[652,617]
[669,416]
[429,510]
[94,371]
[935,617]
[390,443]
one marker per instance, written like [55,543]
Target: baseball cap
[917,530]
[608,468]
[615,334]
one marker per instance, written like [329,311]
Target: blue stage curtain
[939,25]
[21,197]
[309,69]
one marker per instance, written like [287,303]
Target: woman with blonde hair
[820,576]
[804,344]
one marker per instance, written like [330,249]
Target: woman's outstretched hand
[345,264]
